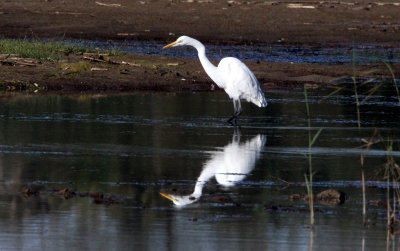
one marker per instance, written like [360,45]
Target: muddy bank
[216,21]
[132,72]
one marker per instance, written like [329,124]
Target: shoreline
[133,72]
[215,22]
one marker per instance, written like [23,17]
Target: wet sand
[306,23]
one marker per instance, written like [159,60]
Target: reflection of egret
[229,167]
[232,75]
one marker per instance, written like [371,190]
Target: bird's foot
[232,120]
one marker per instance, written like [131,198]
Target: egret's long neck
[201,181]
[206,174]
[210,69]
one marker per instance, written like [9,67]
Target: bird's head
[182,40]
[181,200]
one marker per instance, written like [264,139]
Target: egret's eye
[192,198]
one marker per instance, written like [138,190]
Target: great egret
[232,75]
[229,167]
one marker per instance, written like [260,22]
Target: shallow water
[343,54]
[136,146]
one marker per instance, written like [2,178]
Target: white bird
[229,167]
[232,75]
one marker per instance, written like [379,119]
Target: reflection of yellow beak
[168,197]
[171,44]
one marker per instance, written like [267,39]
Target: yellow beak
[171,44]
[168,197]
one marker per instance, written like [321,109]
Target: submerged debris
[99,198]
[221,199]
[394,224]
[65,193]
[290,209]
[298,196]
[329,197]
[28,192]
[378,203]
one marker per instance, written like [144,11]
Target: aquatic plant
[364,210]
[309,179]
[392,176]
[357,99]
[356,88]
[394,80]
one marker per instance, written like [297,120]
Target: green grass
[42,51]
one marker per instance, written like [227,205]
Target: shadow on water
[230,165]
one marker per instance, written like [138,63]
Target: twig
[109,4]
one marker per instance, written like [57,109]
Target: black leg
[237,110]
[232,120]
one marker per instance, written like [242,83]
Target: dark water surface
[135,146]
[324,54]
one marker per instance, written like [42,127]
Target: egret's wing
[240,81]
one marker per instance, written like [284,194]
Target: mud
[133,72]
[307,23]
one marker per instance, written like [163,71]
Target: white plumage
[232,75]
[241,82]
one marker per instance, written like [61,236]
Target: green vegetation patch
[41,50]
